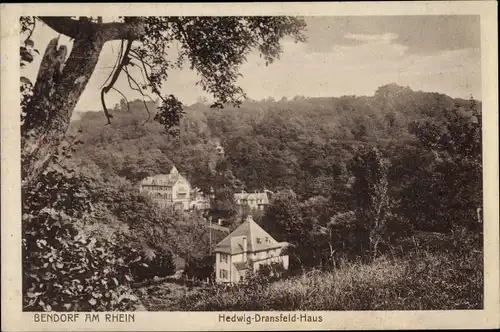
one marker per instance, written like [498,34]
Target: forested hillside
[303,144]
[354,178]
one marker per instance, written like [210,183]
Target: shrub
[272,272]
[65,271]
[160,265]
[200,268]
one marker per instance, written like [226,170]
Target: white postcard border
[14,319]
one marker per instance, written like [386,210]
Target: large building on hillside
[252,201]
[244,251]
[199,201]
[173,191]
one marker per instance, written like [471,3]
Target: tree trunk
[56,94]
[374,240]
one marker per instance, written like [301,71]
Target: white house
[168,190]
[254,201]
[245,250]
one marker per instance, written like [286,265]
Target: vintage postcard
[249,166]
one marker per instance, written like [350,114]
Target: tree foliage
[453,180]
[374,208]
[213,46]
[63,269]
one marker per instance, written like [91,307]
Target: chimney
[245,248]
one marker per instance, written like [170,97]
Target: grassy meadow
[424,279]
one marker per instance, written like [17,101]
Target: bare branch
[118,60]
[65,25]
[108,31]
[147,110]
[125,60]
[103,102]
[140,58]
[116,73]
[138,87]
[130,80]
[144,76]
[128,106]
[116,31]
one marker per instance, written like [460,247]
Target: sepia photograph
[279,164]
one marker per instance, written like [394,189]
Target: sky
[343,55]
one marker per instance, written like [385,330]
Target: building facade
[252,201]
[244,251]
[173,191]
[199,201]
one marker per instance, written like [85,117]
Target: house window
[267,239]
[223,258]
[223,274]
[241,278]
[259,240]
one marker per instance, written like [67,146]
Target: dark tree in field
[283,218]
[370,194]
[284,221]
[214,46]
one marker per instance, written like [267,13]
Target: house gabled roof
[164,179]
[257,239]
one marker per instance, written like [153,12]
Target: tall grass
[425,281]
